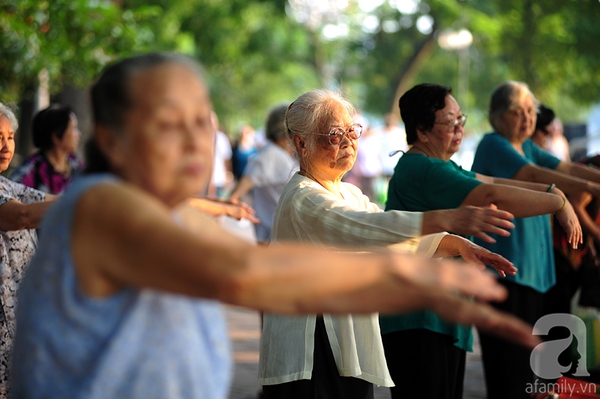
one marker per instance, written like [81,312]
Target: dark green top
[424,184]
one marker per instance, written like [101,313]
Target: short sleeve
[28,195]
[539,156]
[449,185]
[422,184]
[496,157]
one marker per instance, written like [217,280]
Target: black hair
[545,116]
[275,129]
[53,120]
[419,105]
[110,97]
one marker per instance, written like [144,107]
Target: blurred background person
[392,138]
[508,153]
[21,210]
[222,168]
[243,149]
[558,145]
[52,167]
[548,134]
[268,172]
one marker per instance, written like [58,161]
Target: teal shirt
[423,184]
[529,246]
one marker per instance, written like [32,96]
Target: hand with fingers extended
[453,245]
[477,221]
[230,207]
[440,281]
[568,220]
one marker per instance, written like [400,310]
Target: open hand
[477,221]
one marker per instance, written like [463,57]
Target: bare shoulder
[106,217]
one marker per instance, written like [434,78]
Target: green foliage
[71,39]
[256,55]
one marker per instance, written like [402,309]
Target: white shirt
[391,140]
[222,154]
[269,170]
[310,213]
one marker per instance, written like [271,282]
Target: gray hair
[506,97]
[304,115]
[110,94]
[10,115]
[111,97]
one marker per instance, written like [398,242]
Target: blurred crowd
[366,254]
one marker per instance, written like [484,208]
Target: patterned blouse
[16,250]
[37,172]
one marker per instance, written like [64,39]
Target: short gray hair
[505,97]
[10,115]
[311,108]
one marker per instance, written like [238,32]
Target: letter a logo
[544,357]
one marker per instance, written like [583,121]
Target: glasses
[452,125]
[336,134]
[521,113]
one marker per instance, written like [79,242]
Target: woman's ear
[422,135]
[55,140]
[300,144]
[110,145]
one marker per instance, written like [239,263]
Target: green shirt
[423,184]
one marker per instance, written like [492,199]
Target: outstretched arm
[132,241]
[242,188]
[452,245]
[15,215]
[217,207]
[469,221]
[524,202]
[568,178]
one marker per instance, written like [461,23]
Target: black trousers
[424,365]
[506,365]
[326,382]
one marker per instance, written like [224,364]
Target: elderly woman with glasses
[121,300]
[508,152]
[322,355]
[426,179]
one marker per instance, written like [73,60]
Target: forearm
[436,221]
[520,183]
[244,186]
[579,171]
[570,185]
[449,246]
[208,206]
[518,201]
[15,215]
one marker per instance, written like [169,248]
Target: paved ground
[244,330]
